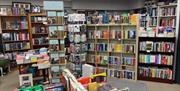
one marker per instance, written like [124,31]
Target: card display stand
[55,26]
[77,43]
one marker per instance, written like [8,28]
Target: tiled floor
[10,82]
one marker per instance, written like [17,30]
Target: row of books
[111,47]
[16,46]
[18,11]
[12,11]
[156,59]
[102,34]
[162,31]
[163,73]
[12,55]
[128,74]
[39,41]
[170,11]
[15,25]
[111,60]
[153,12]
[171,22]
[125,48]
[15,36]
[39,29]
[143,20]
[103,17]
[112,34]
[153,21]
[38,19]
[157,46]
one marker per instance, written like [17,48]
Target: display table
[45,73]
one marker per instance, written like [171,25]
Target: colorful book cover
[118,48]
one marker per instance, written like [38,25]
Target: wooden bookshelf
[164,64]
[16,50]
[155,79]
[122,28]
[16,41]
[38,30]
[17,36]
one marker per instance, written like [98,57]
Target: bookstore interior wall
[109,39]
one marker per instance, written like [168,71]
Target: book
[134,19]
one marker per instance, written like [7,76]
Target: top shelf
[13,15]
[164,6]
[110,25]
[170,39]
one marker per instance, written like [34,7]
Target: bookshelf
[15,33]
[157,45]
[56,33]
[108,49]
[38,30]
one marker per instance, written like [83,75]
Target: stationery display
[40,41]
[55,27]
[77,42]
[39,29]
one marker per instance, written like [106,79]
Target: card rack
[77,43]
[157,45]
[56,33]
[112,48]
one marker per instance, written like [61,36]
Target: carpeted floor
[10,82]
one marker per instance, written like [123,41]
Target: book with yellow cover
[118,48]
[153,72]
[134,19]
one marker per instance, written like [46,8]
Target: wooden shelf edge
[155,79]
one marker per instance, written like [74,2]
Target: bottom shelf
[155,79]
